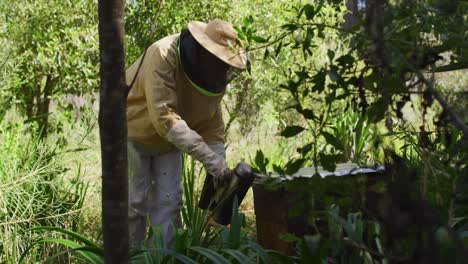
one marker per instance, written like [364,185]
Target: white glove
[189,141]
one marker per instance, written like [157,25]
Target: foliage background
[316,94]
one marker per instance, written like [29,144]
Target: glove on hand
[189,141]
[223,179]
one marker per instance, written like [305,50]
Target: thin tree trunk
[43,104]
[374,28]
[351,18]
[113,132]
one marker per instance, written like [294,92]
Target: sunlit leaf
[259,39]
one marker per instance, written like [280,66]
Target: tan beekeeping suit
[162,95]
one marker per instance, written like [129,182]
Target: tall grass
[34,191]
[196,242]
[194,218]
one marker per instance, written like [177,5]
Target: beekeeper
[173,107]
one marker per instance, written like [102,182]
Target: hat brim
[237,59]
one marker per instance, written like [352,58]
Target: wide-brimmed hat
[220,38]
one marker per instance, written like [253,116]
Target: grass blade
[89,253]
[72,234]
[259,251]
[238,255]
[211,255]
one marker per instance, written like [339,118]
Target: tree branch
[153,30]
[373,252]
[457,121]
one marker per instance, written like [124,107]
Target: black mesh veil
[201,67]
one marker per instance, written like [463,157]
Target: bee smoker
[220,201]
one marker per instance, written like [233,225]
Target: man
[174,106]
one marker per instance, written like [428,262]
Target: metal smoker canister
[240,183]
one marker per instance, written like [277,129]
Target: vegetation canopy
[374,84]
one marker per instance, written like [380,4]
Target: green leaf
[266,54]
[277,168]
[328,162]
[290,27]
[261,162]
[331,55]
[331,96]
[377,110]
[238,255]
[319,7]
[320,33]
[453,67]
[345,60]
[308,39]
[178,256]
[302,75]
[319,81]
[354,227]
[240,33]
[211,255]
[72,234]
[394,84]
[309,11]
[246,22]
[305,149]
[293,166]
[237,220]
[371,81]
[291,86]
[332,140]
[280,257]
[262,253]
[259,39]
[291,131]
[278,49]
[306,92]
[308,114]
[89,254]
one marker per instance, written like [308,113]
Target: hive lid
[342,169]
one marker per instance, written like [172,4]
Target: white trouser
[155,190]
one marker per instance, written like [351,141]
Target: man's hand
[192,143]
[223,179]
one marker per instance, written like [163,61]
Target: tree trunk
[43,104]
[374,27]
[113,132]
[351,18]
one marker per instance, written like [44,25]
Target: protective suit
[169,112]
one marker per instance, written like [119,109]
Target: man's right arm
[159,83]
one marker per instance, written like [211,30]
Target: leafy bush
[34,191]
[197,242]
[54,46]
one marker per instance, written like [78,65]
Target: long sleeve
[158,77]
